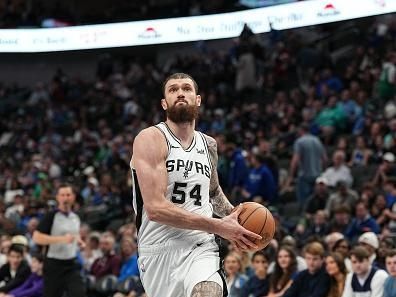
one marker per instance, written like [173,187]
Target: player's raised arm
[149,154]
[221,205]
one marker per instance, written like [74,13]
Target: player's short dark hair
[179,75]
[360,253]
[16,248]
[65,185]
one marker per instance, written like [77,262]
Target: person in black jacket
[314,281]
[16,271]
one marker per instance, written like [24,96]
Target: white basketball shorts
[173,269]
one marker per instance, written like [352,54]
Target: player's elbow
[153,213]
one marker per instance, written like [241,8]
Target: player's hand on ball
[239,237]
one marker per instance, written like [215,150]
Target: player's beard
[183,113]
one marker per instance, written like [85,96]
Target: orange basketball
[258,219]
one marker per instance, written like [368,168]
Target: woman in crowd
[342,247]
[235,278]
[336,268]
[258,283]
[284,272]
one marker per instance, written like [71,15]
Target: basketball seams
[251,221]
[265,221]
[250,215]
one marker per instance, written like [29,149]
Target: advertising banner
[209,27]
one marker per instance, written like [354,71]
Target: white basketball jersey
[189,171]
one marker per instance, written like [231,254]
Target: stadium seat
[107,284]
[132,283]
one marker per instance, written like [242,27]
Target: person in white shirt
[365,280]
[339,171]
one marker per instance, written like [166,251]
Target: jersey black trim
[207,150]
[192,144]
[166,138]
[221,271]
[223,278]
[45,226]
[139,201]
[46,223]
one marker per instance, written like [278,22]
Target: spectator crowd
[306,132]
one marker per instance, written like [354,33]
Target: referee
[59,230]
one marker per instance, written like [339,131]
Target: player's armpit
[207,289]
[221,206]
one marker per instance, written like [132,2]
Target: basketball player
[176,192]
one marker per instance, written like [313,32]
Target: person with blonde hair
[314,281]
[235,279]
